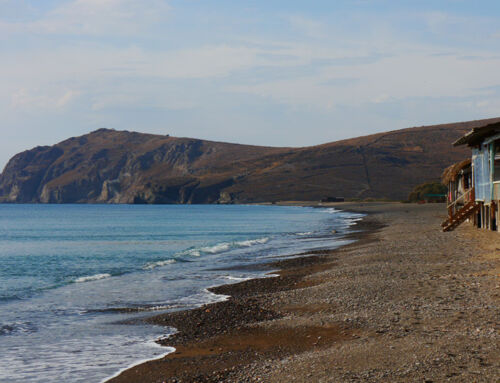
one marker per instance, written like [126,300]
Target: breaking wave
[154,265]
[330,210]
[252,242]
[216,249]
[95,277]
[224,247]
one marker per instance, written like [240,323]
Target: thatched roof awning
[451,172]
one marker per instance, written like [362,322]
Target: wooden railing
[468,196]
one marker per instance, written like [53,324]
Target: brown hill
[127,167]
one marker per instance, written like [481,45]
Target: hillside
[126,167]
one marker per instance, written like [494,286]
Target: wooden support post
[493,216]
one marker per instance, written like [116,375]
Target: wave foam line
[330,210]
[170,350]
[237,279]
[95,277]
[224,247]
[252,242]
[219,248]
[154,265]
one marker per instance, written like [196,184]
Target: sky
[263,72]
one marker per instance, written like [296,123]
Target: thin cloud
[35,98]
[143,65]
[307,26]
[95,18]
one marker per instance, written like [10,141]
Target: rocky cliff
[110,166]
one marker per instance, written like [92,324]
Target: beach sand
[404,303]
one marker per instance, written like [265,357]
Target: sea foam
[252,242]
[168,350]
[225,246]
[17,327]
[330,210]
[95,277]
[237,279]
[154,265]
[216,249]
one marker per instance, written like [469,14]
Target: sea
[67,272]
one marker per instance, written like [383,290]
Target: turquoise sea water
[65,268]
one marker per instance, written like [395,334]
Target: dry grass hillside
[126,167]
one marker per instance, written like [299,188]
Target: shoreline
[405,302]
[282,274]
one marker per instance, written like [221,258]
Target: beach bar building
[474,185]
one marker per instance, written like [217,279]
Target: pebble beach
[404,303]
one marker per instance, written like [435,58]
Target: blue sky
[281,73]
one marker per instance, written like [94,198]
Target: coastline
[322,309]
[244,307]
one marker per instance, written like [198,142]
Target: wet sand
[404,303]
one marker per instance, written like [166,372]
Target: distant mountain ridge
[108,166]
